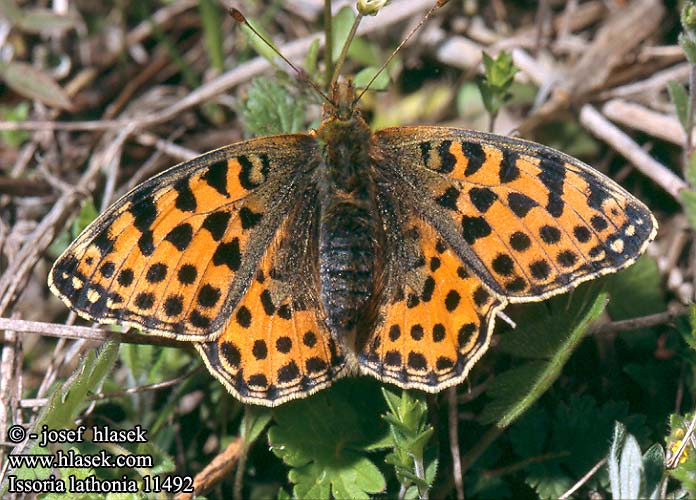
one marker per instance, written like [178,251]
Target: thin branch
[216,470]
[85,333]
[584,479]
[603,129]
[636,323]
[453,421]
[36,402]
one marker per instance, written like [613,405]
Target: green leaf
[625,464]
[654,467]
[636,291]
[67,400]
[498,77]
[573,436]
[514,391]
[324,440]
[33,83]
[17,113]
[691,169]
[342,22]
[271,109]
[311,60]
[688,200]
[264,46]
[255,420]
[688,46]
[680,98]
[410,433]
[212,31]
[365,75]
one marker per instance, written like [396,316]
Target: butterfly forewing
[531,221]
[174,255]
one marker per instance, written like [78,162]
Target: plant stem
[491,124]
[419,469]
[328,43]
[690,116]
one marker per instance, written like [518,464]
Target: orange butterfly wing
[436,323]
[531,221]
[175,255]
[276,345]
[494,220]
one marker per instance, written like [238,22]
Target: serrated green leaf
[271,109]
[690,335]
[688,46]
[33,83]
[575,437]
[680,98]
[323,438]
[516,390]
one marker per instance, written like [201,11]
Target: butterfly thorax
[348,231]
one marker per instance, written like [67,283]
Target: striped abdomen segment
[347,257]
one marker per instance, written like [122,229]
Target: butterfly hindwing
[276,345]
[175,253]
[531,221]
[434,323]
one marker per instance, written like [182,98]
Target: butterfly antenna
[418,26]
[302,75]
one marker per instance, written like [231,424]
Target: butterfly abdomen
[346,263]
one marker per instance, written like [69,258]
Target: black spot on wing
[475,156]
[216,224]
[228,254]
[249,218]
[185,199]
[216,177]
[448,199]
[447,159]
[474,228]
[144,213]
[180,236]
[482,198]
[520,204]
[508,166]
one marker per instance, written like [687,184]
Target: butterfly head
[340,116]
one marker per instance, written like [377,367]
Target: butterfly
[293,260]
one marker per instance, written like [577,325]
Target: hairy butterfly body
[296,259]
